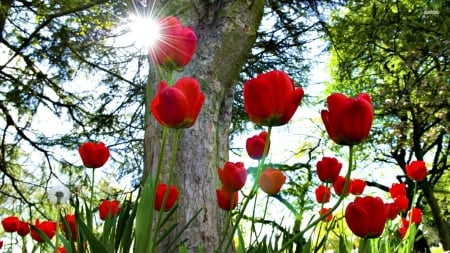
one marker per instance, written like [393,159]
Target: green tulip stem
[170,179]
[336,205]
[364,246]
[409,234]
[227,226]
[253,190]
[91,200]
[264,215]
[58,221]
[160,156]
[252,226]
[252,220]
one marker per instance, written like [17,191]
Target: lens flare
[144,31]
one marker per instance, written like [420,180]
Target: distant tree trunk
[226,31]
[441,225]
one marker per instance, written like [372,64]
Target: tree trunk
[441,225]
[226,31]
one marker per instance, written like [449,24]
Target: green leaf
[241,245]
[183,229]
[342,245]
[95,245]
[125,227]
[144,217]
[307,248]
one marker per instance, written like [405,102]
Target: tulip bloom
[339,184]
[23,228]
[322,213]
[175,45]
[403,228]
[415,215]
[323,194]
[227,200]
[70,219]
[93,155]
[357,186]
[271,99]
[255,145]
[328,169]
[402,202]
[366,216]
[46,227]
[178,106]
[416,170]
[392,210]
[397,189]
[348,120]
[10,223]
[271,181]
[108,208]
[233,176]
[171,199]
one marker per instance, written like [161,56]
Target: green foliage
[61,67]
[398,52]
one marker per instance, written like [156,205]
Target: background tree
[49,69]
[398,52]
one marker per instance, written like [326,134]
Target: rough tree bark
[226,31]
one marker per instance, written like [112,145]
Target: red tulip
[328,169]
[271,181]
[357,186]
[397,189]
[175,46]
[93,155]
[227,200]
[339,184]
[392,210]
[329,216]
[70,219]
[403,228]
[46,227]
[23,228]
[415,215]
[348,120]
[108,208]
[402,202]
[323,194]
[271,99]
[10,223]
[62,250]
[178,106]
[255,145]
[171,199]
[416,170]
[1,244]
[366,216]
[233,176]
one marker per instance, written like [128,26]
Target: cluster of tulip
[270,100]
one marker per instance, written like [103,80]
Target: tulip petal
[258,105]
[195,97]
[357,219]
[170,106]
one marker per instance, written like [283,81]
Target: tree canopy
[53,56]
[398,53]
